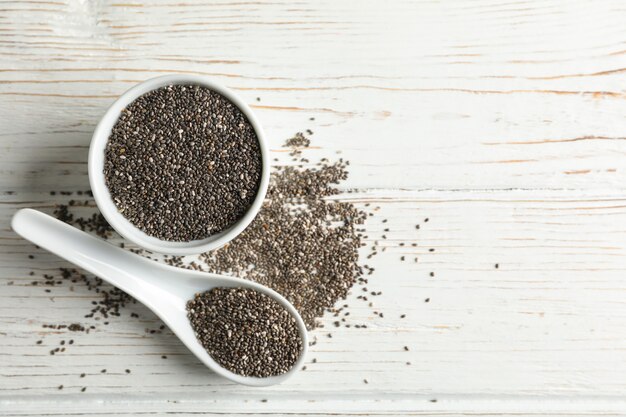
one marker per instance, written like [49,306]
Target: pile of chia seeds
[301,244]
[182,163]
[245,331]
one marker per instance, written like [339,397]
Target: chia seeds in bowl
[182,163]
[179,165]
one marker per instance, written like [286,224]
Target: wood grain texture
[503,122]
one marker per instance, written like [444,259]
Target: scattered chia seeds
[182,163]
[302,245]
[245,331]
[298,141]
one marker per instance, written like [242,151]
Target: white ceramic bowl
[101,191]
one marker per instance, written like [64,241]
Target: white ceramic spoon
[162,288]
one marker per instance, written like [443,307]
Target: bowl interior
[101,191]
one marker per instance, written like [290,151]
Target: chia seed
[182,163]
[245,331]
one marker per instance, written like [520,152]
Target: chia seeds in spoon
[182,163]
[245,331]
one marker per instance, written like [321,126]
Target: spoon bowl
[162,288]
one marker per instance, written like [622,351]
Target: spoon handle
[117,266]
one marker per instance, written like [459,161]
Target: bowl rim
[105,202]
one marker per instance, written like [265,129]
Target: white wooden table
[503,122]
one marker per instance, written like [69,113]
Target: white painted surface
[503,122]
